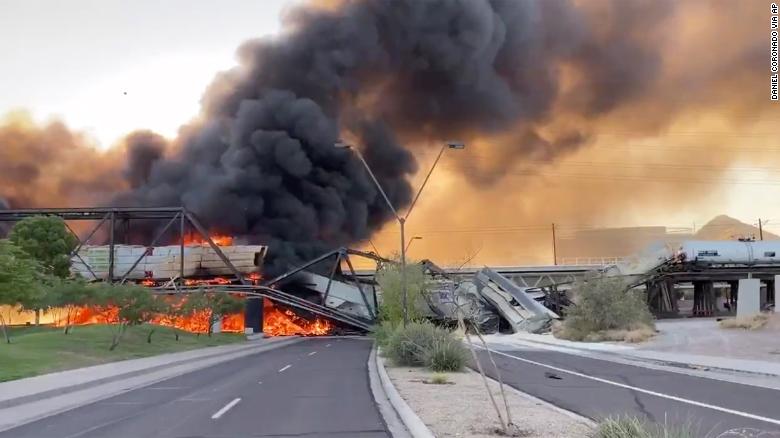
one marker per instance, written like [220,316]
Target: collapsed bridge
[201,261]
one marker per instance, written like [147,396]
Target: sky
[108,67]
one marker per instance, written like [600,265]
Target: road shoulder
[462,407]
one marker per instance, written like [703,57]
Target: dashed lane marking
[225,408]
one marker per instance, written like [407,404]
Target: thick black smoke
[143,149]
[261,163]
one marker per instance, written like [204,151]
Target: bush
[605,310]
[406,344]
[446,354]
[633,427]
[439,379]
[423,344]
[383,331]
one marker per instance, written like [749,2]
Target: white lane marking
[225,408]
[285,367]
[312,353]
[645,391]
[260,382]
[167,388]
[123,403]
[327,345]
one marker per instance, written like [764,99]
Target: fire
[196,239]
[207,281]
[255,277]
[284,322]
[87,315]
[197,323]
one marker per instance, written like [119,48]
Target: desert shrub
[424,344]
[754,322]
[633,427]
[406,344]
[445,354]
[439,379]
[604,309]
[383,331]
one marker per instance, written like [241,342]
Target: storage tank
[725,252]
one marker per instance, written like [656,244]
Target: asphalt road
[317,387]
[597,389]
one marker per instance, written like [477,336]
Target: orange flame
[255,277]
[196,323]
[284,322]
[206,281]
[196,239]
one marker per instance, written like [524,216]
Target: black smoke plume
[260,162]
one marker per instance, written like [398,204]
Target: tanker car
[723,252]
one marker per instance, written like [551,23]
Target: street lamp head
[456,145]
[340,144]
[417,238]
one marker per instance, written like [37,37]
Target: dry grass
[634,335]
[439,379]
[755,322]
[633,427]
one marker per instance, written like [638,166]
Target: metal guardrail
[577,261]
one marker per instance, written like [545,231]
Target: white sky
[76,59]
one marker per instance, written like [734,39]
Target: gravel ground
[705,337]
[463,408]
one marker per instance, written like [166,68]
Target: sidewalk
[31,389]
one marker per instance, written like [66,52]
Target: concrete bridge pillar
[703,298]
[749,297]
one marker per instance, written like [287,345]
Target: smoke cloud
[524,83]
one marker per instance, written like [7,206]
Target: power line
[637,178]
[626,164]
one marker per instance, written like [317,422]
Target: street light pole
[402,219]
[412,239]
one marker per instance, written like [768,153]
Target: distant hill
[727,228]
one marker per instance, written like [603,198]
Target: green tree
[18,275]
[47,240]
[389,278]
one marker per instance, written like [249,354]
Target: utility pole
[760,230]
[555,250]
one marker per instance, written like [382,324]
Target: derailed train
[722,252]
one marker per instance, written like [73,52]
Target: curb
[414,425]
[29,398]
[394,424]
[36,410]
